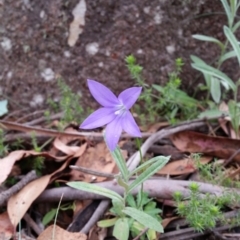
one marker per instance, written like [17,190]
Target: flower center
[121,109]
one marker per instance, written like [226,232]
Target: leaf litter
[69,147]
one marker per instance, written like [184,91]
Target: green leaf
[121,163]
[107,222]
[227,56]
[149,172]
[213,113]
[216,73]
[158,88]
[131,201]
[232,39]
[144,165]
[228,12]
[117,208]
[234,112]
[143,218]
[208,39]
[3,107]
[49,216]
[88,187]
[236,26]
[121,229]
[215,89]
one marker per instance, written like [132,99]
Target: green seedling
[215,79]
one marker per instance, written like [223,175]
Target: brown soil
[156,32]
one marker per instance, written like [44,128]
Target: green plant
[200,212]
[213,75]
[49,216]
[69,104]
[168,101]
[3,147]
[143,203]
[126,215]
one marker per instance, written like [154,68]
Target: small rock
[146,10]
[170,49]
[92,48]
[158,18]
[42,14]
[6,44]
[37,100]
[67,54]
[48,74]
[9,75]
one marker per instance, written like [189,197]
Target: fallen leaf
[193,142]
[166,221]
[6,227]
[7,162]
[19,203]
[97,158]
[77,25]
[183,166]
[57,233]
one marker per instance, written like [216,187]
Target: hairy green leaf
[149,172]
[88,187]
[143,218]
[121,229]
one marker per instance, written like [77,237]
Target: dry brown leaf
[166,221]
[19,203]
[7,162]
[68,150]
[183,166]
[194,142]
[97,158]
[61,144]
[6,227]
[57,233]
[156,126]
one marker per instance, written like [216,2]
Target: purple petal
[102,94]
[113,133]
[129,125]
[98,118]
[129,96]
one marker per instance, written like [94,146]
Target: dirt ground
[34,48]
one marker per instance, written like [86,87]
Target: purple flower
[114,112]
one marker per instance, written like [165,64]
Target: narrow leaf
[232,39]
[121,229]
[236,26]
[145,165]
[88,187]
[143,218]
[214,72]
[227,56]
[149,172]
[215,89]
[213,113]
[107,222]
[228,12]
[208,39]
[121,163]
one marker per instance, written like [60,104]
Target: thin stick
[92,172]
[4,196]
